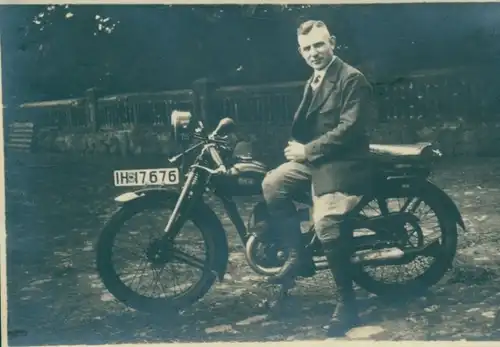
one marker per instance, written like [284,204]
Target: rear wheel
[410,278]
[141,223]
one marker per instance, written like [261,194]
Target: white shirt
[320,74]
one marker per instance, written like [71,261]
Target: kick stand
[278,296]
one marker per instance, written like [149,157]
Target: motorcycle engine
[263,250]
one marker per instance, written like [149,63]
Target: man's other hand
[295,151]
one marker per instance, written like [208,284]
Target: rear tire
[127,296]
[433,274]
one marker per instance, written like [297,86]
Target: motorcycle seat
[407,150]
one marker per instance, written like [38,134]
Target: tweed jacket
[331,122]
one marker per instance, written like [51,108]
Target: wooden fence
[429,95]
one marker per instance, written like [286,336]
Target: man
[328,143]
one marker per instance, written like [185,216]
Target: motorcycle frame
[401,175]
[233,212]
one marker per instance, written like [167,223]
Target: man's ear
[333,41]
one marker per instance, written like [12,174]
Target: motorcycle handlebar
[221,170]
[226,125]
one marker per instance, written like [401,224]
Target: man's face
[316,47]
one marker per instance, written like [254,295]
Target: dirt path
[55,296]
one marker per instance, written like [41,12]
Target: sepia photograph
[251,172]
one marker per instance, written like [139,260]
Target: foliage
[58,51]
[54,13]
[65,49]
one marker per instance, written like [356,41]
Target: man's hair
[305,27]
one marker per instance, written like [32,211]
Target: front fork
[178,218]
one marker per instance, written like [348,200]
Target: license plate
[146,177]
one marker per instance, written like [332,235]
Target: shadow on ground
[55,211]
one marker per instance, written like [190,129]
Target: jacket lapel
[326,87]
[307,90]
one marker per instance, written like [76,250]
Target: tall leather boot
[346,315]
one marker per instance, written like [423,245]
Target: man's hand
[295,151]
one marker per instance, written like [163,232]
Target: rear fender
[415,184]
[202,215]
[448,203]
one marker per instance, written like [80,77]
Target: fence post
[91,99]
[204,103]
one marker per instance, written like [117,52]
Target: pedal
[278,295]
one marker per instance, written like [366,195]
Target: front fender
[147,192]
[202,215]
[447,202]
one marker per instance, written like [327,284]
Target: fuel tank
[244,178]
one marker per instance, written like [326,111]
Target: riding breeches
[282,184]
[328,213]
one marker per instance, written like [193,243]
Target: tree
[60,50]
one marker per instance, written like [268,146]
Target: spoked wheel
[421,272]
[147,274]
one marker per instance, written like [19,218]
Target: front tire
[214,256]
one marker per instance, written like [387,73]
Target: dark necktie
[315,82]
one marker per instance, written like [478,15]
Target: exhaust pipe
[377,257]
[368,257]
[386,256]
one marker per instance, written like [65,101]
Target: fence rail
[468,94]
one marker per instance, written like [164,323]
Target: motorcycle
[401,171]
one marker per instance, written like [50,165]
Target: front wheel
[422,272]
[136,220]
